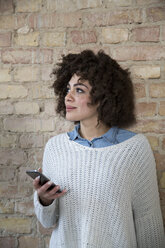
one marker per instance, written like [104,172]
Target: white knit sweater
[112,199]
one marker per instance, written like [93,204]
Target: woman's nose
[69,96]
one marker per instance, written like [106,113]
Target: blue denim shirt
[113,136]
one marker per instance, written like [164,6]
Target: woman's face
[77,101]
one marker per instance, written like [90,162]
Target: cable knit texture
[112,199]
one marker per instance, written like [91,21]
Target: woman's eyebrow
[77,84]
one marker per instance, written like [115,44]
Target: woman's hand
[47,196]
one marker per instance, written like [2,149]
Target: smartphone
[43,178]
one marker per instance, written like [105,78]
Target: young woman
[107,174]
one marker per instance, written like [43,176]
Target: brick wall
[33,35]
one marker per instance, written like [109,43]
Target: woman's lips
[70,108]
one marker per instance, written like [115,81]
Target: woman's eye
[76,90]
[67,90]
[79,90]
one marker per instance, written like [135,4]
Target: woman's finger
[36,183]
[57,195]
[44,188]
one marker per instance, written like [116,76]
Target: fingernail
[38,177]
[49,182]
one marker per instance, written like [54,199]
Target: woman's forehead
[76,80]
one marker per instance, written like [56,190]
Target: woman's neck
[90,132]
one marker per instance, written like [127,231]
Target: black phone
[43,178]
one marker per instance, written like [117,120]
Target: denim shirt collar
[110,135]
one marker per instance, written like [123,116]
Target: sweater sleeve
[47,215]
[146,202]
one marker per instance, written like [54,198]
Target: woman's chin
[69,118]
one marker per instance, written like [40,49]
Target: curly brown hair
[111,85]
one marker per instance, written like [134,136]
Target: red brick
[22,176]
[157,90]
[7,242]
[6,6]
[55,5]
[50,108]
[139,53]
[42,56]
[24,190]
[53,39]
[71,19]
[26,241]
[1,124]
[88,4]
[146,34]
[7,174]
[83,37]
[54,20]
[15,224]
[8,140]
[12,157]
[24,207]
[146,109]
[5,39]
[161,128]
[163,144]
[145,126]
[30,6]
[111,35]
[25,74]
[27,39]
[46,72]
[32,20]
[21,20]
[5,75]
[7,206]
[41,21]
[145,71]
[26,108]
[31,140]
[7,21]
[139,90]
[146,2]
[155,14]
[163,32]
[8,190]
[28,125]
[162,108]
[43,92]
[154,141]
[12,91]
[112,17]
[35,157]
[160,161]
[17,56]
[27,56]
